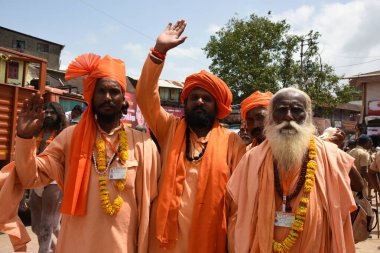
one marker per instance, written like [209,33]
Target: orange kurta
[11,192]
[164,126]
[96,231]
[327,227]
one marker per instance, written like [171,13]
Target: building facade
[369,84]
[31,45]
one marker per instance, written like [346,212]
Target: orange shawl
[208,226]
[252,189]
[256,99]
[215,86]
[75,192]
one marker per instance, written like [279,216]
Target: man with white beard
[292,192]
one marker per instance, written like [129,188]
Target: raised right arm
[148,99]
[147,95]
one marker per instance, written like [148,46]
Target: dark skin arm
[356,179]
[373,180]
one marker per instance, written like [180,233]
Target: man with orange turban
[293,190]
[198,156]
[107,171]
[254,111]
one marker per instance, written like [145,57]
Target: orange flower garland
[298,223]
[41,136]
[102,168]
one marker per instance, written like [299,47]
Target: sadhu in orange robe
[67,160]
[327,228]
[190,213]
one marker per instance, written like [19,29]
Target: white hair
[289,141]
[308,106]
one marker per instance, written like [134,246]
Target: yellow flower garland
[48,141]
[298,223]
[114,207]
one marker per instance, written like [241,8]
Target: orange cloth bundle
[75,198]
[256,99]
[215,86]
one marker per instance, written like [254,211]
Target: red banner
[374,107]
[135,119]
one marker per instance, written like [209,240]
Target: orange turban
[256,99]
[82,143]
[215,86]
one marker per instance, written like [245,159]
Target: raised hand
[31,118]
[171,37]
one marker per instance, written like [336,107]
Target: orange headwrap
[215,86]
[82,143]
[256,99]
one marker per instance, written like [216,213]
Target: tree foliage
[261,54]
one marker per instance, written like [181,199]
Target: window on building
[13,70]
[19,45]
[42,47]
[164,93]
[174,94]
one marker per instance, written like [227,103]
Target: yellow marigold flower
[100,145]
[124,155]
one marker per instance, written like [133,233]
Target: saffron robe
[327,227]
[164,126]
[96,231]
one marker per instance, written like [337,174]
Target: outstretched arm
[36,171]
[147,95]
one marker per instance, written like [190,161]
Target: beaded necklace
[301,181]
[188,156]
[300,217]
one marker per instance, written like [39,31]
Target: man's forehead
[103,81]
[289,97]
[49,109]
[199,91]
[256,110]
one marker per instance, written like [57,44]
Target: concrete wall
[8,37]
[373,91]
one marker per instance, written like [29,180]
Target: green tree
[261,54]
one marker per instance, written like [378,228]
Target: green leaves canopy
[260,54]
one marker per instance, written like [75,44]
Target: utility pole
[302,40]
[302,53]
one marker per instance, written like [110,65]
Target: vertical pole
[24,74]
[302,61]
[14,123]
[377,213]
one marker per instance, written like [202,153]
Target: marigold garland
[48,141]
[114,207]
[300,215]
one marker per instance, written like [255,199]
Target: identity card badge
[117,173]
[283,219]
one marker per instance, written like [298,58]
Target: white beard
[289,142]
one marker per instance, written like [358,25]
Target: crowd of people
[204,190]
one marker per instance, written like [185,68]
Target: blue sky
[127,29]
